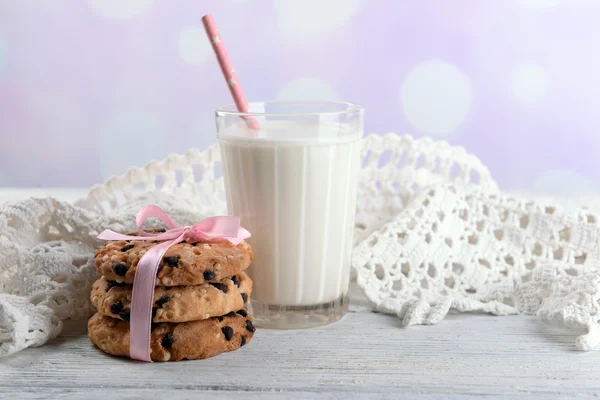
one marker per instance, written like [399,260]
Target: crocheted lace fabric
[433,233]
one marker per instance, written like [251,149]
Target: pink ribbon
[210,229]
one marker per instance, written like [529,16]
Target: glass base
[297,317]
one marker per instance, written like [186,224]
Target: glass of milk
[293,182]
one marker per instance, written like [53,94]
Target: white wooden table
[366,355]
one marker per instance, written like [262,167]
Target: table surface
[366,355]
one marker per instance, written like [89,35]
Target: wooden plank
[107,393]
[365,354]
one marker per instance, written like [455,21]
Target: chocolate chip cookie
[185,263]
[173,342]
[176,304]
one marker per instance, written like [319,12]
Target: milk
[294,185]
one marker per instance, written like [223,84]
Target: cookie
[175,304]
[173,342]
[185,263]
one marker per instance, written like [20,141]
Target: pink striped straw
[227,69]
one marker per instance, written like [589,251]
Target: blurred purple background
[89,88]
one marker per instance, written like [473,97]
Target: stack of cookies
[200,299]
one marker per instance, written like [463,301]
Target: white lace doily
[433,233]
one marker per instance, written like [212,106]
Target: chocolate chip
[163,299]
[243,313]
[160,230]
[168,340]
[153,312]
[228,332]
[235,280]
[221,286]
[208,275]
[245,297]
[127,247]
[171,261]
[249,326]
[243,341]
[230,314]
[114,283]
[125,315]
[116,307]
[120,269]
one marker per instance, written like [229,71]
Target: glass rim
[230,109]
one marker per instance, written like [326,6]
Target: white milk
[294,187]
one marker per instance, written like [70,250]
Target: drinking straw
[228,71]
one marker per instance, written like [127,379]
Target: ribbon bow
[210,229]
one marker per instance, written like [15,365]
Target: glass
[293,182]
